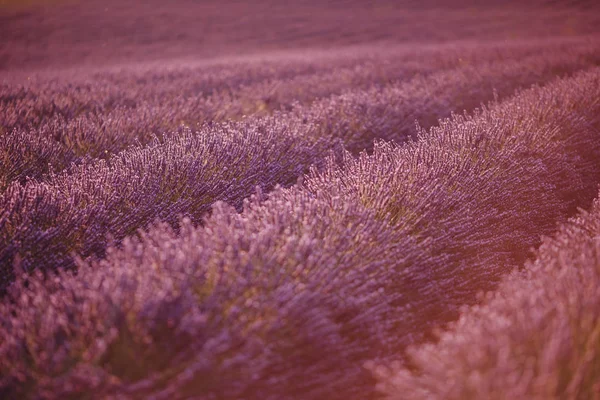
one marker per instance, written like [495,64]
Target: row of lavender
[49,124]
[44,223]
[291,297]
[112,110]
[537,337]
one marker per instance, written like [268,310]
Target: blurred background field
[37,33]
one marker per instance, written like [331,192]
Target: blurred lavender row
[43,223]
[291,297]
[71,118]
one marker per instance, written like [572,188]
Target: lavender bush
[43,223]
[361,117]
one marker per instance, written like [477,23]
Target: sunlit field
[311,200]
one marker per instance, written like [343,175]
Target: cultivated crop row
[43,223]
[106,113]
[294,294]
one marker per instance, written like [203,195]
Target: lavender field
[311,200]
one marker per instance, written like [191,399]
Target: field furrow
[536,337]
